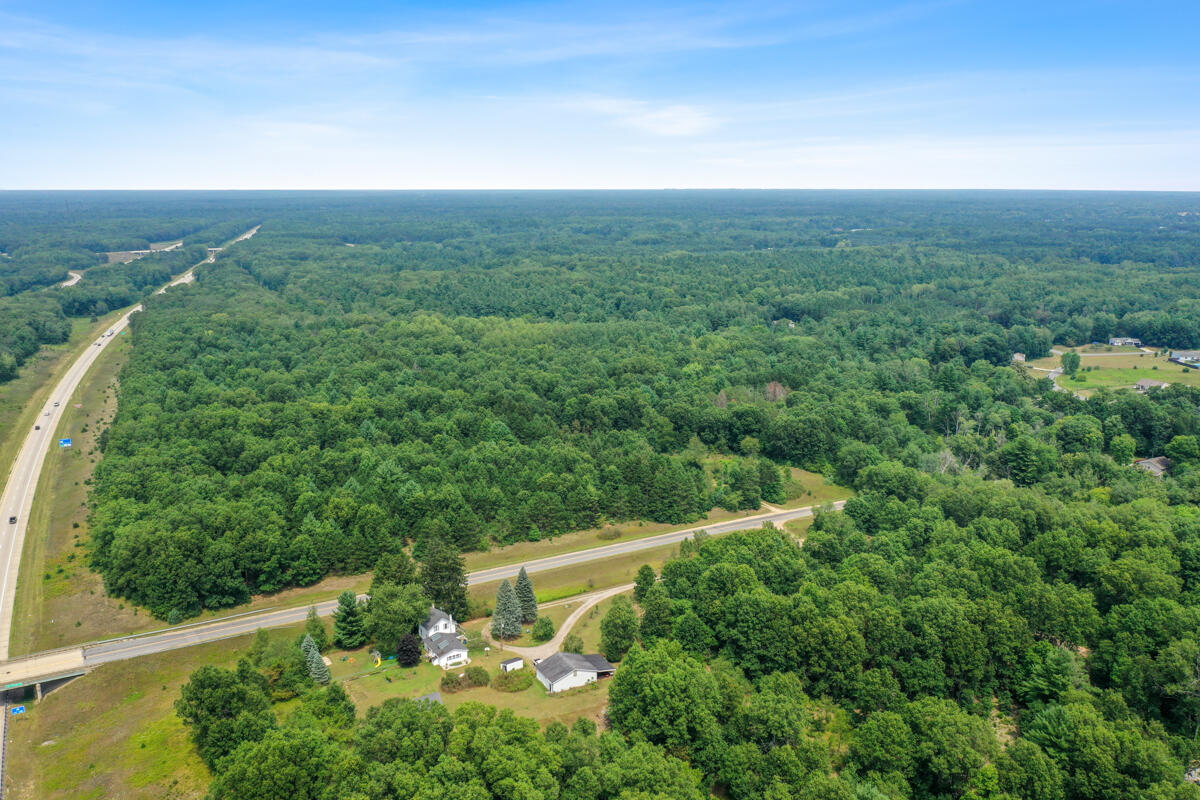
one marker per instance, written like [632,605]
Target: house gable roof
[560,665]
[441,644]
[436,615]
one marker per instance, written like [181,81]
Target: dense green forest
[1006,609]
[43,236]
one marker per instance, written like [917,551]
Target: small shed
[512,664]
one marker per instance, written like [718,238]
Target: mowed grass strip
[582,578]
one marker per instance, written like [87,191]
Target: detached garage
[563,671]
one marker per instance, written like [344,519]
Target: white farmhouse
[444,645]
[563,671]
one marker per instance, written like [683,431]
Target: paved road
[622,548]
[28,669]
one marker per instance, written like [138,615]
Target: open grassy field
[21,399]
[583,578]
[1115,376]
[588,628]
[114,733]
[798,528]
[811,489]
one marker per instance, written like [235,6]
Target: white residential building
[444,645]
[563,671]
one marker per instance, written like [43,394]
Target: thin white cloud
[672,120]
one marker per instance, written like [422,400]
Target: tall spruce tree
[308,645]
[527,598]
[348,628]
[317,670]
[444,578]
[506,619]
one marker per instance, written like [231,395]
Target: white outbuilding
[563,671]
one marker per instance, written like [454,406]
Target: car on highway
[56,404]
[12,520]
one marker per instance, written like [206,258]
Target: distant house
[512,664]
[1125,341]
[1188,358]
[1146,384]
[1018,358]
[444,645]
[1156,466]
[563,671]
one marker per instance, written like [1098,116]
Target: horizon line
[609,189]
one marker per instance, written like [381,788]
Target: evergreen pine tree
[408,654]
[308,645]
[506,619]
[315,628]
[394,568]
[527,598]
[444,578]
[317,670]
[348,625]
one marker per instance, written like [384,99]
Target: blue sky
[942,94]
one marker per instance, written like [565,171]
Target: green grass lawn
[583,578]
[114,733]
[557,613]
[811,489]
[588,627]
[1119,377]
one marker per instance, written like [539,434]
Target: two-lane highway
[29,669]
